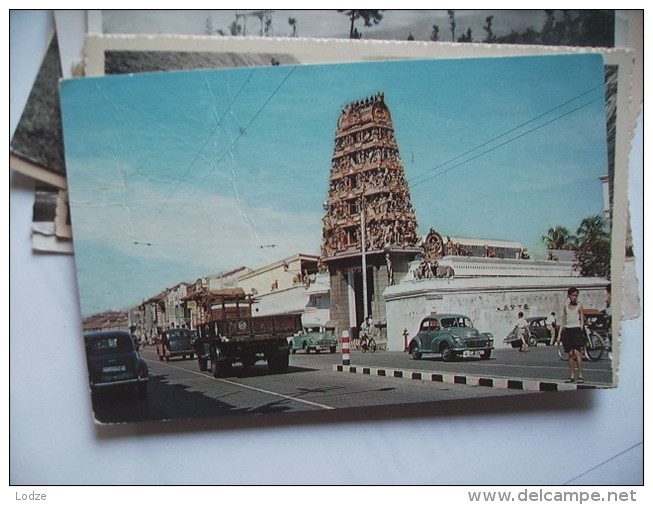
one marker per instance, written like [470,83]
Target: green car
[452,336]
[313,339]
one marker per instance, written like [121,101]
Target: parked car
[537,333]
[452,336]
[313,339]
[114,362]
[173,343]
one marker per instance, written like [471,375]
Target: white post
[364,259]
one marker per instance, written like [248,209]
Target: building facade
[491,291]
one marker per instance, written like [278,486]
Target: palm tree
[593,251]
[592,227]
[558,237]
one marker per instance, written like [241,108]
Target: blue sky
[178,175]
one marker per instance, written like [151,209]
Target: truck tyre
[248,360]
[202,363]
[278,363]
[219,365]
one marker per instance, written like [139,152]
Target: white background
[583,437]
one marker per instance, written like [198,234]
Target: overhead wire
[413,184]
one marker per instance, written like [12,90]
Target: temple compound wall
[490,291]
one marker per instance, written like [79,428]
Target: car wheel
[532,341]
[486,354]
[332,349]
[414,352]
[447,353]
[515,345]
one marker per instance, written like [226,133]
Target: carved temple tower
[369,230]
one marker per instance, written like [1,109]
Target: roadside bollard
[345,347]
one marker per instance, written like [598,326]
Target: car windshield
[110,344]
[177,336]
[456,322]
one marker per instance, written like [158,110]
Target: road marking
[260,390]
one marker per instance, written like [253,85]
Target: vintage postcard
[322,236]
[138,53]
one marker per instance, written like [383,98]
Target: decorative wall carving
[367,175]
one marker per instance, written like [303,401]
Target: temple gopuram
[369,220]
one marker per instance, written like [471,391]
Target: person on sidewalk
[572,335]
[551,326]
[522,332]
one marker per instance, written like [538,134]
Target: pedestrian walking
[551,326]
[522,332]
[571,335]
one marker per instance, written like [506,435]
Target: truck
[228,333]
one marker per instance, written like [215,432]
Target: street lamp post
[363,259]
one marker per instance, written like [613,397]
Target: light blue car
[313,339]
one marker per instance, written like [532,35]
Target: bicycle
[593,349]
[368,344]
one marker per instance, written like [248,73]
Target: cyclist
[365,331]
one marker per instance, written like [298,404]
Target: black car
[113,362]
[175,342]
[537,333]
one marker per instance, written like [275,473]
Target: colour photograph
[292,238]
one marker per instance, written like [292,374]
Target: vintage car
[314,338]
[173,343]
[113,362]
[452,336]
[537,333]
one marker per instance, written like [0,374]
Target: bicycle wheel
[594,347]
[562,354]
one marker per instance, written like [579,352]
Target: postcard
[299,237]
[138,53]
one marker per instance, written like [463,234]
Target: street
[178,390]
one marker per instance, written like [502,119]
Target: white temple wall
[491,302]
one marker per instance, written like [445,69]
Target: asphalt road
[178,390]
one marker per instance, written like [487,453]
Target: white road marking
[245,386]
